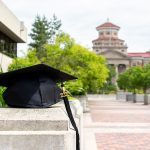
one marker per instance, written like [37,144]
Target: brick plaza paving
[116,125]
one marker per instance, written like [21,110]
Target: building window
[134,64]
[115,33]
[101,33]
[2,43]
[7,45]
[108,33]
[121,68]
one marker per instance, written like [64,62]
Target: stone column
[116,66]
[127,67]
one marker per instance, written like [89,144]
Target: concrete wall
[140,98]
[101,97]
[121,95]
[11,26]
[5,61]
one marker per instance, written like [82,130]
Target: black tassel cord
[69,112]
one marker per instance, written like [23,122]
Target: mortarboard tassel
[69,112]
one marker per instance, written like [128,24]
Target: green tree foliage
[2,102]
[123,82]
[40,32]
[112,73]
[54,27]
[109,86]
[135,76]
[75,88]
[145,78]
[43,32]
[72,58]
[29,60]
[131,79]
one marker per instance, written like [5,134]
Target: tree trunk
[134,97]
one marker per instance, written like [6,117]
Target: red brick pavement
[120,112]
[128,118]
[123,141]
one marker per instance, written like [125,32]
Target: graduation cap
[36,87]
[33,86]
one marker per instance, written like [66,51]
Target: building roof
[11,26]
[107,25]
[115,52]
[107,39]
[142,54]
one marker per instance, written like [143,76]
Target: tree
[75,59]
[29,60]
[145,78]
[72,58]
[109,86]
[135,76]
[43,31]
[54,27]
[131,79]
[123,82]
[40,32]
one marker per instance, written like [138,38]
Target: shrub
[2,102]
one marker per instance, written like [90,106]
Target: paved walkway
[116,125]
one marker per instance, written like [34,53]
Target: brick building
[114,49]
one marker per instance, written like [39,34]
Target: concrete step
[51,119]
[37,140]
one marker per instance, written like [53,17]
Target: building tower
[109,45]
[114,49]
[108,39]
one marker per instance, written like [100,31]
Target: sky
[81,17]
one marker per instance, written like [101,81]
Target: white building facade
[12,31]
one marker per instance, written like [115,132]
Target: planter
[139,98]
[121,95]
[129,97]
[83,100]
[146,99]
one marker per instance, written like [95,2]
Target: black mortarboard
[33,86]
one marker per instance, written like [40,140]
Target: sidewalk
[116,125]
